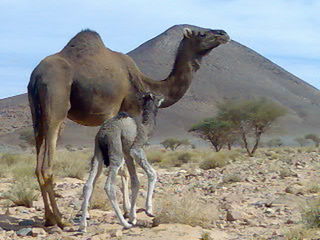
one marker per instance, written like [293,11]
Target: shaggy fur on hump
[85,42]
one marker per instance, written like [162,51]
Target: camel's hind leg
[49,93]
[135,184]
[125,191]
[116,160]
[95,172]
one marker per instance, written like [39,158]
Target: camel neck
[177,83]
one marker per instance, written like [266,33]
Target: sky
[285,31]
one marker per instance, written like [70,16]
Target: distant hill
[231,71]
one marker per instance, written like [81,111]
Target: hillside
[231,71]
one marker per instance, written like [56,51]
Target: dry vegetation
[178,200]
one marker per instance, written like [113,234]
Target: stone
[38,232]
[24,232]
[115,233]
[26,223]
[233,215]
[53,229]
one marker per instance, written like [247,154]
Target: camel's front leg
[110,185]
[95,171]
[139,156]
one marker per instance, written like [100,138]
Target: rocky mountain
[231,71]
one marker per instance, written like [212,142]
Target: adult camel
[89,83]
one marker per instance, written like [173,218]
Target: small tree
[313,138]
[214,130]
[301,141]
[275,142]
[251,118]
[173,143]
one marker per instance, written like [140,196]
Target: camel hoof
[127,225]
[83,229]
[150,214]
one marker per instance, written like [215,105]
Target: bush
[215,160]
[27,135]
[311,214]
[232,178]
[23,193]
[186,209]
[178,158]
[72,164]
[155,156]
[9,159]
[99,198]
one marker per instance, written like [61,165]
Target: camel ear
[187,32]
[160,102]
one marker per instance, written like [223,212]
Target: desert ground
[199,194]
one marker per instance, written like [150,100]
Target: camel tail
[105,153]
[34,102]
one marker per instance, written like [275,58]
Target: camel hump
[85,41]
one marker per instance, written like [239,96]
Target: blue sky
[285,31]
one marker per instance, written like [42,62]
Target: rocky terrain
[263,197]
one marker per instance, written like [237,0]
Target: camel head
[203,42]
[150,99]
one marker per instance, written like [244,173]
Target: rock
[100,237]
[233,215]
[24,232]
[115,233]
[53,229]
[155,222]
[26,223]
[38,232]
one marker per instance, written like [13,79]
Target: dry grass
[232,178]
[216,160]
[206,236]
[72,164]
[311,214]
[298,233]
[186,209]
[99,198]
[23,192]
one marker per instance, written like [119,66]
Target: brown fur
[89,83]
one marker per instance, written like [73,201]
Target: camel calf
[120,140]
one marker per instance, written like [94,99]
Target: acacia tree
[251,118]
[173,143]
[301,141]
[216,131]
[313,138]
